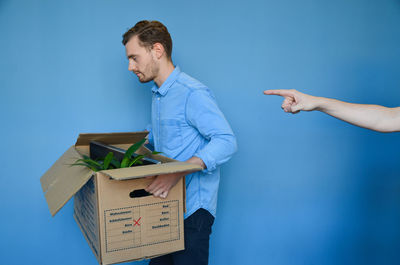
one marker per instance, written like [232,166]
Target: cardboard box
[117,227]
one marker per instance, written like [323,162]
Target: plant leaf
[92,163]
[156,153]
[107,160]
[133,148]
[137,159]
[125,162]
[86,165]
[115,163]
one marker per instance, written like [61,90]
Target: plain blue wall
[302,190]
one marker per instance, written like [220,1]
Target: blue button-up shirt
[187,122]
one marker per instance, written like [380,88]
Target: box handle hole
[139,193]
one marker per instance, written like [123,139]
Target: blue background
[303,189]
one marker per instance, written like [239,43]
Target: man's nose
[131,66]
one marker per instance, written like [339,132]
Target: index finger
[279,92]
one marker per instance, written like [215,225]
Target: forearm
[218,151]
[372,117]
[196,160]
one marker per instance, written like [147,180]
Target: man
[373,117]
[187,125]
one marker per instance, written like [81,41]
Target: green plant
[109,162]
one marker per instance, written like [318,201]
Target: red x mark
[137,222]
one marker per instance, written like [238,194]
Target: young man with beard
[186,125]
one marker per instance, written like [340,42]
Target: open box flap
[62,180]
[151,170]
[111,138]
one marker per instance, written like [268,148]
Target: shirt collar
[163,89]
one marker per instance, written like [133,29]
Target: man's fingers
[292,108]
[280,92]
[287,102]
[287,109]
[296,108]
[158,192]
[153,185]
[155,188]
[161,185]
[164,194]
[161,193]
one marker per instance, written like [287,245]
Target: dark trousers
[197,229]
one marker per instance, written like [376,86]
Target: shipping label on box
[142,225]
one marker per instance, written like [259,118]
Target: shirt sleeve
[203,113]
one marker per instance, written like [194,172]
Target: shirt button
[158,98]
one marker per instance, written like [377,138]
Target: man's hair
[149,33]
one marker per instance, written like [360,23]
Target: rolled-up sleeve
[203,113]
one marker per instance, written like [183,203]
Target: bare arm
[374,117]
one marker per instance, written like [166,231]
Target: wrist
[196,160]
[318,103]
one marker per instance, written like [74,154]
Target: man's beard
[153,70]
[144,79]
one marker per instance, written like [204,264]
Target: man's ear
[158,49]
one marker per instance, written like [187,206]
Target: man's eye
[135,58]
